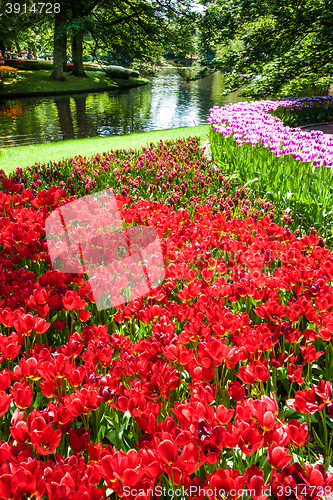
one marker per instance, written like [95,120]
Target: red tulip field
[216,384]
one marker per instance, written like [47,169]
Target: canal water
[166,102]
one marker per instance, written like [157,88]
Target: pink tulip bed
[216,384]
[261,141]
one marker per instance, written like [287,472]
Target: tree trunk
[59,50]
[2,48]
[18,49]
[77,54]
[65,67]
[33,48]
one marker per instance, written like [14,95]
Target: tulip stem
[269,476]
[330,444]
[218,380]
[291,386]
[322,416]
[300,449]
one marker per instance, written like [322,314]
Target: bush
[89,67]
[45,65]
[144,68]
[121,72]
[93,68]
[22,64]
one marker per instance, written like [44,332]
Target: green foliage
[144,68]
[142,30]
[125,29]
[120,72]
[24,65]
[31,65]
[26,28]
[306,114]
[286,46]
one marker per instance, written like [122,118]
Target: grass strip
[23,156]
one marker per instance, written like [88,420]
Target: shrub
[119,72]
[45,65]
[22,64]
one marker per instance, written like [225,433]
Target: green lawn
[39,82]
[23,156]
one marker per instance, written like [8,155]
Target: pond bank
[39,83]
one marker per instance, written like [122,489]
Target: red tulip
[236,391]
[41,325]
[250,439]
[22,394]
[5,400]
[121,469]
[78,439]
[47,388]
[59,325]
[223,415]
[43,437]
[168,451]
[298,432]
[84,315]
[25,324]
[278,457]
[5,379]
[227,480]
[94,451]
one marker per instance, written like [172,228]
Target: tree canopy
[284,46]
[126,29]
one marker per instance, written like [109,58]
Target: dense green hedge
[26,65]
[120,72]
[111,71]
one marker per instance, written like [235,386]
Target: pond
[166,102]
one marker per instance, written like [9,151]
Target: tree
[59,46]
[285,45]
[128,29]
[17,25]
[207,42]
[141,29]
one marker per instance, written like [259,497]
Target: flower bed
[23,64]
[215,382]
[291,167]
[176,173]
[8,72]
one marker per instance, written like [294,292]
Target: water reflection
[167,102]
[65,116]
